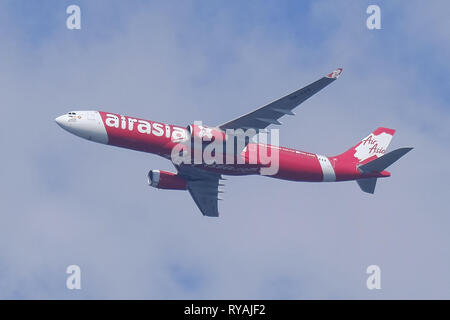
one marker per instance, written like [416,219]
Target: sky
[67,201]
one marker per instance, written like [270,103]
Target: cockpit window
[72,113]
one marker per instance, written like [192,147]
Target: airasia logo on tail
[370,140]
[372,145]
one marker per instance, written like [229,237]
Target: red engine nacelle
[205,133]
[166,180]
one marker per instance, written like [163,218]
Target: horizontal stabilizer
[367,185]
[384,161]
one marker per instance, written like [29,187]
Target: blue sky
[68,201]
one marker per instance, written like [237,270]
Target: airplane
[365,162]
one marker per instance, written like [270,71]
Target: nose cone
[85,124]
[61,121]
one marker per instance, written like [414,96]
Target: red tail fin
[371,147]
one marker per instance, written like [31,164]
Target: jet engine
[166,180]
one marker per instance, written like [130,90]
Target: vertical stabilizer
[371,147]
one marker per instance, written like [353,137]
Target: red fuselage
[159,138]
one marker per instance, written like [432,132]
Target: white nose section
[85,124]
[61,120]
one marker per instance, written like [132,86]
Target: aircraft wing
[269,114]
[203,187]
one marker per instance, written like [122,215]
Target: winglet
[335,74]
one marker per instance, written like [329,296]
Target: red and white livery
[364,163]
